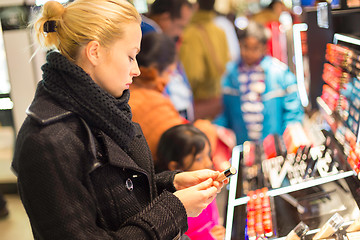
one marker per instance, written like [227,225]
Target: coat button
[129,184]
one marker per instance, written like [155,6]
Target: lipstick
[225,174]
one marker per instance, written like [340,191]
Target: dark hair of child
[178,142]
[255,30]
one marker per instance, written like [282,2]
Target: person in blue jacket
[260,94]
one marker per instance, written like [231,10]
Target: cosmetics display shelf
[320,185]
[318,197]
[338,126]
[340,100]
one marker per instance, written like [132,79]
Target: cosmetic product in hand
[226,174]
[330,227]
[300,230]
[355,226]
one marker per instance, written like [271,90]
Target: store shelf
[235,201]
[292,188]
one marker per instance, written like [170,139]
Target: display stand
[312,200]
[235,201]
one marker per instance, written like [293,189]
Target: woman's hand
[218,232]
[196,198]
[187,179]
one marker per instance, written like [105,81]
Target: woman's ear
[92,52]
[173,166]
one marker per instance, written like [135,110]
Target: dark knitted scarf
[74,89]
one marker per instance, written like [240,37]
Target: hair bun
[53,9]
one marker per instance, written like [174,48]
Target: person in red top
[150,108]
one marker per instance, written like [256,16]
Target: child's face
[252,50]
[202,160]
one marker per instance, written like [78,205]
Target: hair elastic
[50,26]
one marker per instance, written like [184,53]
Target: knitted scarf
[74,89]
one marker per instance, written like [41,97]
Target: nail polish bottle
[300,230]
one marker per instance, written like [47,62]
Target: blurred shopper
[260,94]
[151,109]
[84,168]
[223,22]
[171,17]
[270,18]
[204,54]
[271,13]
[184,147]
[167,16]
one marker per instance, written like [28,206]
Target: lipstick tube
[225,174]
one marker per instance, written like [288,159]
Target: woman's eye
[131,59]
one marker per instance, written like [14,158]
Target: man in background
[204,54]
[171,17]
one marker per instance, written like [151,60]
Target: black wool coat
[76,183]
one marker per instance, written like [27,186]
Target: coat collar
[44,110]
[114,151]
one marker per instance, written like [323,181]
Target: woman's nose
[136,70]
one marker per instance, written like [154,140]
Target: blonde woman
[84,168]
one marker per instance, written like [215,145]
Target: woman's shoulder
[48,121]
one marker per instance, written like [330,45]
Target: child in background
[152,109]
[260,95]
[184,147]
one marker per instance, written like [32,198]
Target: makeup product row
[354,160]
[353,117]
[308,162]
[330,97]
[259,218]
[344,57]
[343,67]
[330,228]
[327,230]
[335,77]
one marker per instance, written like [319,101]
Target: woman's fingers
[205,184]
[206,173]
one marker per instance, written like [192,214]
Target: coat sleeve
[165,181]
[52,187]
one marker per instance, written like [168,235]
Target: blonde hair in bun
[83,21]
[51,10]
